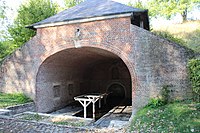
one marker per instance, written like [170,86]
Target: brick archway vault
[105,56]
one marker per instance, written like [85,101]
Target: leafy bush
[155,102]
[6,48]
[170,37]
[198,106]
[160,101]
[2,51]
[194,72]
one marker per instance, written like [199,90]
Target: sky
[14,4]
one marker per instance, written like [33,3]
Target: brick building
[96,46]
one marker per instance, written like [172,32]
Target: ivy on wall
[194,71]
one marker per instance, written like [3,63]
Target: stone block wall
[22,108]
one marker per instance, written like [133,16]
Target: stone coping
[20,105]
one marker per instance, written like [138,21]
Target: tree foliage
[5,49]
[137,4]
[2,51]
[71,3]
[167,8]
[29,13]
[3,18]
[2,9]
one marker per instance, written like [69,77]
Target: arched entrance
[77,71]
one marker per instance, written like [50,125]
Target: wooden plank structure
[86,99]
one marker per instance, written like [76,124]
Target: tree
[2,9]
[3,19]
[71,3]
[141,5]
[168,8]
[137,4]
[31,12]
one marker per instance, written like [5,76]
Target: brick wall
[151,61]
[158,62]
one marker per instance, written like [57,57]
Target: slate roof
[89,9]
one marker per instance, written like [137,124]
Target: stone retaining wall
[18,109]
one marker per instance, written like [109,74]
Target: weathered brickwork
[48,60]
[159,63]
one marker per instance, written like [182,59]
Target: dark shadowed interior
[78,71]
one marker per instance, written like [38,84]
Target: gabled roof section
[88,9]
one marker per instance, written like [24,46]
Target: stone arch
[111,50]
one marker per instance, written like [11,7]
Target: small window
[56,91]
[70,87]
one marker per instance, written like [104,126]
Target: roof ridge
[89,9]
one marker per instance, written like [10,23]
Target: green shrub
[160,101]
[198,107]
[6,48]
[194,72]
[170,37]
[155,102]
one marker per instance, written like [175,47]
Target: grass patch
[69,123]
[35,117]
[174,117]
[12,99]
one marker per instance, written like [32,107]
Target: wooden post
[85,109]
[93,110]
